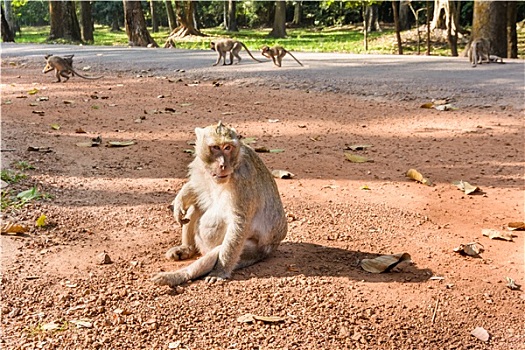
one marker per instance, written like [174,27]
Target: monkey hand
[171,279]
[180,252]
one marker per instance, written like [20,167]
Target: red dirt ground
[116,200]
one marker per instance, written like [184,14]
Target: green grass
[348,39]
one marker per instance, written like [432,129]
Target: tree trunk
[7,33]
[395,7]
[404,15]
[153,12]
[232,18]
[86,19]
[8,15]
[136,29]
[279,21]
[185,17]
[512,36]
[297,13]
[452,36]
[444,11]
[225,14]
[172,22]
[372,18]
[490,22]
[63,21]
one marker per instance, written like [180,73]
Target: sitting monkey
[230,210]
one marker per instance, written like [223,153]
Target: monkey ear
[199,132]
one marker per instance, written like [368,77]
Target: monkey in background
[479,52]
[63,66]
[276,53]
[224,46]
[230,210]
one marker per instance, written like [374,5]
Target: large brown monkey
[231,46]
[230,210]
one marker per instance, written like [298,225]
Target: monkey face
[223,158]
[212,46]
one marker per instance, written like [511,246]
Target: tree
[172,21]
[490,22]
[7,33]
[136,29]
[86,19]
[232,18]
[63,21]
[279,22]
[297,13]
[447,12]
[371,17]
[153,12]
[512,35]
[395,10]
[185,12]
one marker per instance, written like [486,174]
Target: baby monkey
[231,46]
[63,66]
[276,53]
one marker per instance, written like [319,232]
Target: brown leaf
[120,143]
[465,187]
[357,147]
[12,228]
[472,249]
[282,174]
[40,113]
[249,318]
[384,263]
[495,234]
[39,149]
[417,176]
[354,158]
[516,226]
[427,105]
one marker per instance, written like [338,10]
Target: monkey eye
[215,148]
[228,148]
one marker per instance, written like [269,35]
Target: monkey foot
[180,252]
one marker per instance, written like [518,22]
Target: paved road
[390,77]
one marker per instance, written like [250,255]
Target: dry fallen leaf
[68,102]
[261,149]
[465,186]
[384,263]
[472,249]
[511,284]
[120,143]
[249,318]
[354,158]
[32,91]
[282,174]
[12,228]
[39,149]
[516,226]
[495,234]
[55,126]
[427,105]
[357,147]
[417,176]
[51,326]
[82,323]
[481,334]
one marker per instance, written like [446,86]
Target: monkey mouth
[220,178]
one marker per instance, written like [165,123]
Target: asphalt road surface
[390,77]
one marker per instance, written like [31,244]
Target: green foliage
[23,165]
[31,13]
[11,177]
[11,200]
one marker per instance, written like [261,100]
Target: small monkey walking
[63,66]
[230,210]
[479,52]
[233,47]
[276,53]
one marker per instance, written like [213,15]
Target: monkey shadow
[294,258]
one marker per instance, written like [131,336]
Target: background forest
[439,27]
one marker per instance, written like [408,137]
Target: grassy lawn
[337,39]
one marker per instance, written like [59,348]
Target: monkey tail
[474,54]
[295,58]
[249,53]
[82,76]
